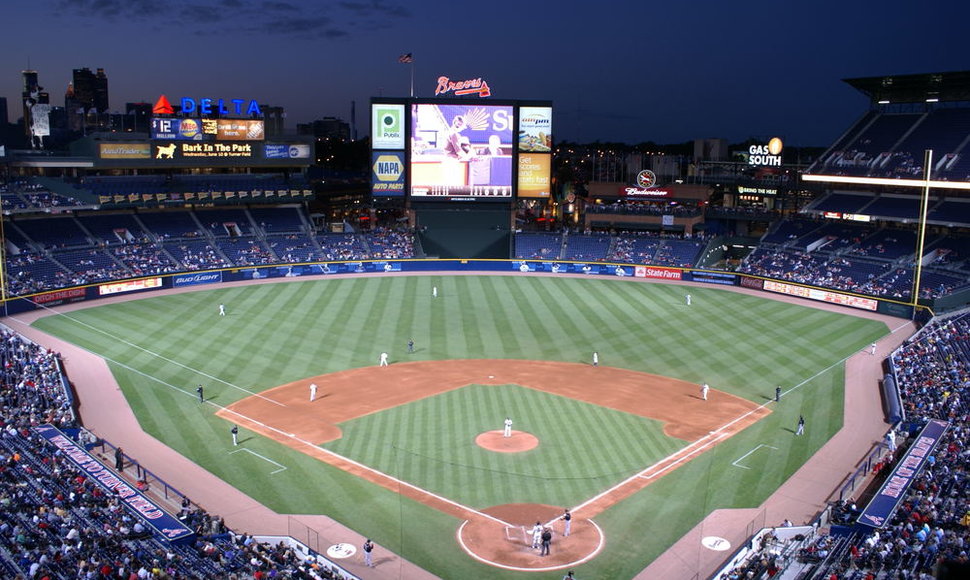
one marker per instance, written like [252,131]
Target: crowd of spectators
[20,194]
[390,244]
[56,523]
[931,528]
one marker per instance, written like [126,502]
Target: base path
[286,414]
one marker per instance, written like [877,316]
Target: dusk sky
[628,71]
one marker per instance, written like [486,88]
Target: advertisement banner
[196,278]
[60,297]
[653,272]
[714,278]
[535,129]
[286,151]
[179,151]
[124,150]
[181,129]
[882,505]
[535,174]
[387,173]
[238,130]
[129,286]
[822,295]
[387,126]
[165,524]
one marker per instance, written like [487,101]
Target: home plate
[491,376]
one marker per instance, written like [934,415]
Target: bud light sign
[197,278]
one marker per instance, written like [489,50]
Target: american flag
[405,58]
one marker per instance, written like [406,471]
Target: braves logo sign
[461,88]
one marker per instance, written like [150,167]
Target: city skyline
[629,72]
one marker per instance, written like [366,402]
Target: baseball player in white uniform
[508,428]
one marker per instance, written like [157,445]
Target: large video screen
[461,151]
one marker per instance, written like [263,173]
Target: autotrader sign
[883,504]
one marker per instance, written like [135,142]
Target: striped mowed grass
[160,348]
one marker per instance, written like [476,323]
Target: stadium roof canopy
[915,88]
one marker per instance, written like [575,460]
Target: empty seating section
[171,224]
[195,184]
[119,228]
[894,207]
[949,212]
[942,130]
[540,246]
[223,223]
[843,203]
[587,247]
[679,253]
[281,220]
[789,230]
[859,156]
[53,233]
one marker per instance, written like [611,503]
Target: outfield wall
[565,268]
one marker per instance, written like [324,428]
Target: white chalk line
[151,353]
[264,458]
[735,462]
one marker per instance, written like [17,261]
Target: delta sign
[208,106]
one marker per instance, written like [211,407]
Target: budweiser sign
[460,88]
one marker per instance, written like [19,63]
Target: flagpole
[412,79]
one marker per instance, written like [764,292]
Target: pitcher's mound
[518,442]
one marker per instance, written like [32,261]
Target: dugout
[465,230]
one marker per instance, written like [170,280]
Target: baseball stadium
[759,372]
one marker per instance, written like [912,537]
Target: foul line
[735,462]
[281,466]
[145,350]
[359,465]
[714,436]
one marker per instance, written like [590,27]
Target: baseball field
[411,454]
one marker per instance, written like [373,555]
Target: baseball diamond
[391,452]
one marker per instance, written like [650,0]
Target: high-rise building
[91,89]
[4,119]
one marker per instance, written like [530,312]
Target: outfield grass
[160,348]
